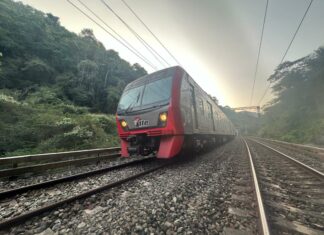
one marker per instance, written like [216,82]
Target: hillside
[57,88]
[247,123]
[297,112]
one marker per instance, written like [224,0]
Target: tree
[88,34]
[296,113]
[42,52]
[53,19]
[37,71]
[88,71]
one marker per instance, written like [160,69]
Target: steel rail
[28,215]
[50,183]
[55,156]
[47,166]
[312,170]
[261,211]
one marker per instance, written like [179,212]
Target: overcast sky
[216,41]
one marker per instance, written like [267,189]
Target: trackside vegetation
[58,90]
[296,113]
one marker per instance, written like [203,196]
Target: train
[167,112]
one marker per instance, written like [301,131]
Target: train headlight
[163,117]
[123,123]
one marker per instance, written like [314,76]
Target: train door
[193,106]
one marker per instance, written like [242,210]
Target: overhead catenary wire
[142,41]
[118,40]
[259,51]
[291,42]
[156,38]
[114,31]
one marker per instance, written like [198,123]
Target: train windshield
[146,96]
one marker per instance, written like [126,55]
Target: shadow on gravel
[190,155]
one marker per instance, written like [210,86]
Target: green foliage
[77,67]
[33,127]
[296,114]
[52,82]
[37,72]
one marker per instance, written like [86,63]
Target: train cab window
[157,91]
[201,106]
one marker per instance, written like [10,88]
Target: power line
[260,44]
[119,36]
[157,39]
[144,43]
[293,38]
[99,25]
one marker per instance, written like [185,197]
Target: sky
[215,41]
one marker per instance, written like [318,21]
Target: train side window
[201,106]
[209,110]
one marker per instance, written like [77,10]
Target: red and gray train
[166,112]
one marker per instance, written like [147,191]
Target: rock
[147,184]
[76,207]
[58,221]
[81,225]
[177,222]
[138,228]
[180,229]
[125,194]
[174,199]
[94,211]
[56,227]
[13,203]
[168,224]
[8,214]
[53,192]
[48,231]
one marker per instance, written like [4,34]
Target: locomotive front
[148,116]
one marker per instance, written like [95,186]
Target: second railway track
[32,202]
[309,155]
[292,193]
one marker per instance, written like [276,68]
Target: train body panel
[162,112]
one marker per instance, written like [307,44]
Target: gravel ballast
[189,197]
[33,178]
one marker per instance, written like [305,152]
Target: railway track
[50,183]
[245,211]
[309,155]
[290,192]
[18,219]
[14,166]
